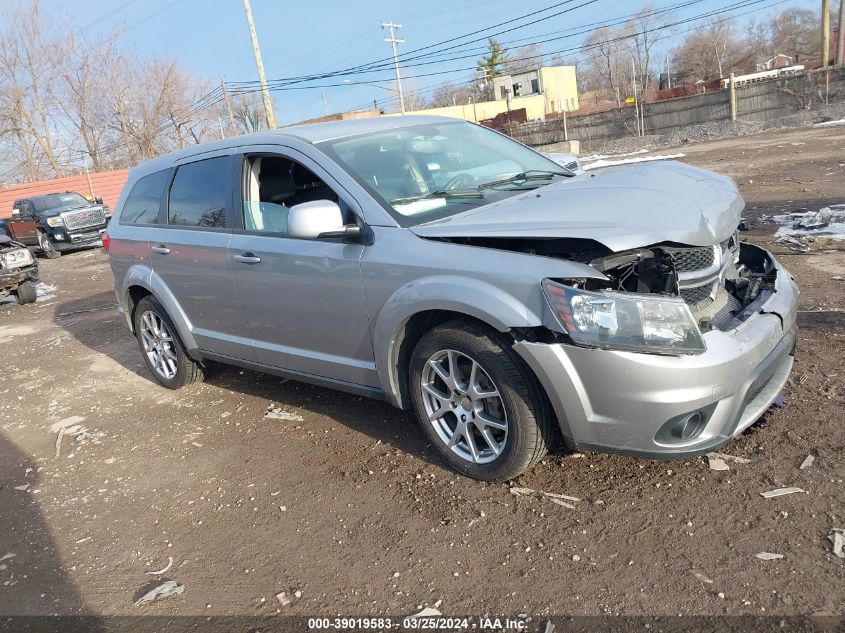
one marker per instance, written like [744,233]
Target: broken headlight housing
[16,259]
[624,321]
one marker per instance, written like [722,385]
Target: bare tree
[524,59]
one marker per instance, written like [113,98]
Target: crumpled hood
[621,207]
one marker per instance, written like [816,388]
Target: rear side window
[144,200]
[200,193]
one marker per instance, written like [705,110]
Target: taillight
[106,241]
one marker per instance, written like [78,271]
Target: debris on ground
[276,413]
[554,497]
[164,590]
[702,577]
[283,599]
[67,426]
[522,491]
[428,612]
[768,556]
[837,540]
[22,488]
[779,492]
[779,401]
[163,569]
[7,556]
[812,222]
[795,244]
[729,458]
[717,463]
[808,461]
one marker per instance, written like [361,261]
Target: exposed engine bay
[719,283]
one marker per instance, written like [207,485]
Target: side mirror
[98,200]
[318,218]
[16,212]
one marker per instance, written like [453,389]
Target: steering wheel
[461,181]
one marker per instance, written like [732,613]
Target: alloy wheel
[464,406]
[159,345]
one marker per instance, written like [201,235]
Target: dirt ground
[352,510]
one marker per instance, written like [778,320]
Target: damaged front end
[662,298]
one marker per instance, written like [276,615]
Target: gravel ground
[348,511]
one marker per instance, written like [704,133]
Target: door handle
[247,258]
[161,249]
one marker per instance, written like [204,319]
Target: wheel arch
[140,282]
[421,305]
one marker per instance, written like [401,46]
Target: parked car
[452,271]
[18,271]
[57,222]
[567,160]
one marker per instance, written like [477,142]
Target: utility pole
[840,39]
[668,73]
[393,42]
[268,105]
[634,87]
[325,103]
[825,33]
[228,102]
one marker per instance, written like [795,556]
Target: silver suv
[450,270]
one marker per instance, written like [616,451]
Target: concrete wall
[106,185]
[760,102]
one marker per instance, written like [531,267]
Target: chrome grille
[83,218]
[690,259]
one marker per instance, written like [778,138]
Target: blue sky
[210,36]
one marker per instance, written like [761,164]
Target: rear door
[190,254]
[303,299]
[22,225]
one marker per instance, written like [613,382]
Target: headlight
[55,221]
[17,258]
[624,321]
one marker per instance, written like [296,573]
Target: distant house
[778,61]
[556,83]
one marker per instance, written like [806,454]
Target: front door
[303,299]
[190,255]
[22,224]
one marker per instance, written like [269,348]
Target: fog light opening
[690,426]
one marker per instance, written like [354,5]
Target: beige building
[539,91]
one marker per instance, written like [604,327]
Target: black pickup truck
[56,222]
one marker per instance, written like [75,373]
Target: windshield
[426,172]
[58,200]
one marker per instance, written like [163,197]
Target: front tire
[478,403]
[26,293]
[162,349]
[47,247]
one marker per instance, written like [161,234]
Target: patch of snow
[834,215]
[829,123]
[595,157]
[45,292]
[628,161]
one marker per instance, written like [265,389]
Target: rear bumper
[636,403]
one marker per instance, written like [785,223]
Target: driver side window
[274,184]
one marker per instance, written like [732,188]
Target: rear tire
[162,349]
[478,403]
[26,293]
[47,247]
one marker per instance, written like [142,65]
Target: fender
[144,276]
[473,297]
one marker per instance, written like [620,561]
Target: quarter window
[200,193]
[144,200]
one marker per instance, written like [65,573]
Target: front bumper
[625,401]
[11,279]
[85,237]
